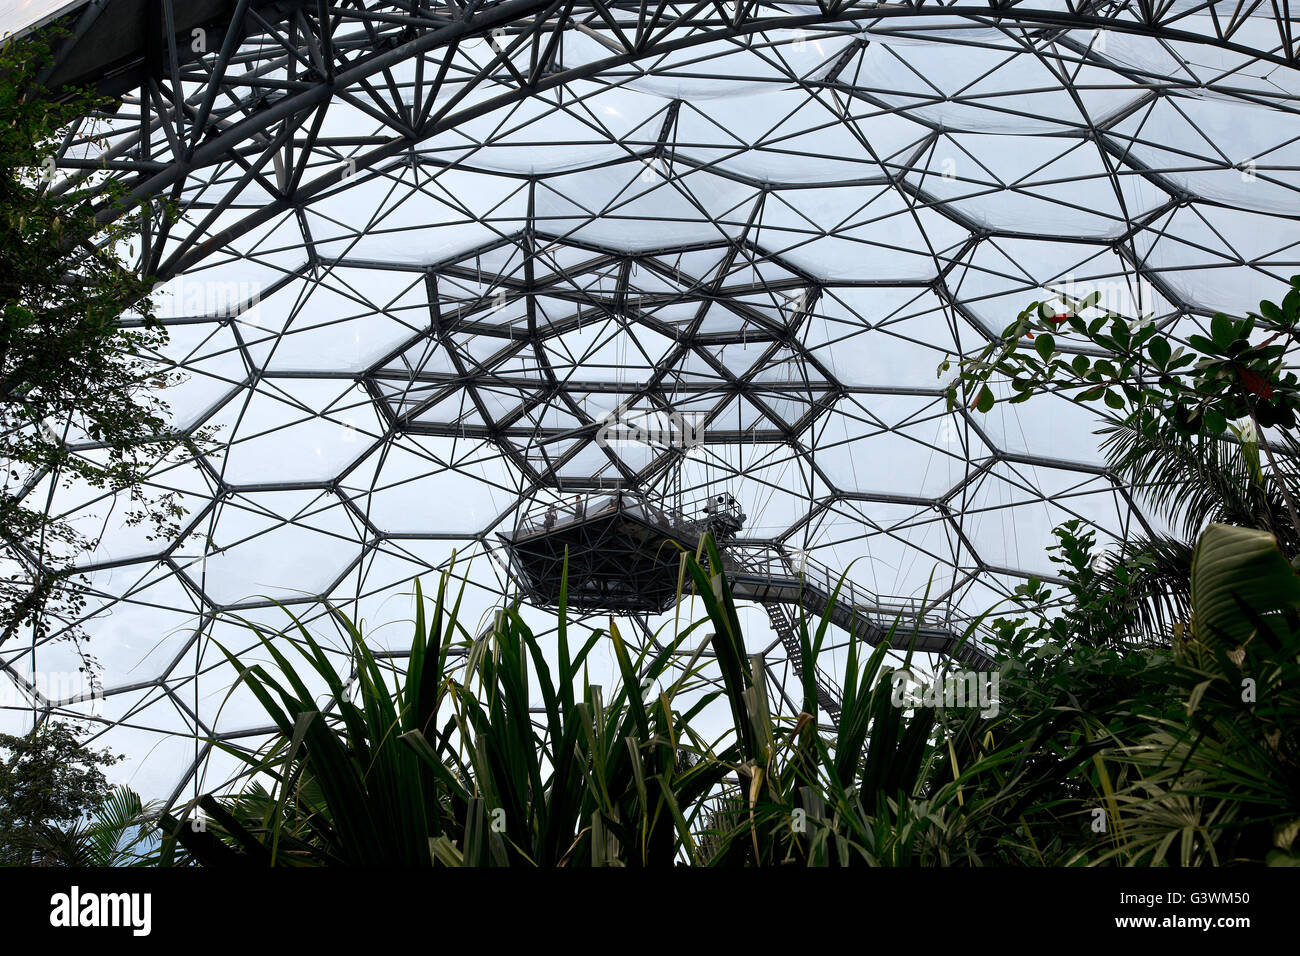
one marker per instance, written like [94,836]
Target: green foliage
[1107,597]
[1219,782]
[1179,749]
[450,767]
[1165,403]
[1093,754]
[1240,581]
[70,371]
[121,832]
[1191,481]
[1184,428]
[48,782]
[1192,754]
[805,798]
[1217,378]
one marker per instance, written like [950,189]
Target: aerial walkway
[622,553]
[768,574]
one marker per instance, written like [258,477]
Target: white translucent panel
[16,15]
[552,416]
[223,187]
[964,87]
[861,232]
[141,617]
[891,549]
[423,407]
[778,479]
[771,308]
[392,217]
[157,761]
[697,369]
[715,69]
[588,460]
[633,206]
[211,293]
[883,336]
[635,457]
[796,370]
[54,674]
[228,701]
[720,318]
[257,258]
[1054,185]
[408,397]
[1003,276]
[278,546]
[338,319]
[1011,511]
[221,766]
[243,634]
[924,452]
[1236,153]
[741,415]
[590,126]
[1045,426]
[783,136]
[1203,63]
[892,468]
[1219,258]
[502,403]
[427,484]
[600,352]
[671,312]
[89,511]
[784,408]
[292,429]
[208,365]
[989,591]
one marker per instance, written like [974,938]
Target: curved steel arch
[642,33]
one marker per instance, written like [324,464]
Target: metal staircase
[768,574]
[788,631]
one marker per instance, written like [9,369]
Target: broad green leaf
[1234,567]
[1045,345]
[1222,330]
[1158,349]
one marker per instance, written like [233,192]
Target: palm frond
[1152,573]
[122,829]
[1192,481]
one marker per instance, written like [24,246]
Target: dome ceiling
[422,256]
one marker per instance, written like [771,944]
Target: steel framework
[426,250]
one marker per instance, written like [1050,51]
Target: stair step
[786,630]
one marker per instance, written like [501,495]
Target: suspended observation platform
[624,553]
[623,550]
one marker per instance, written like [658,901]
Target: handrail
[536,517]
[772,560]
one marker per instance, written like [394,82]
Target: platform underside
[620,559]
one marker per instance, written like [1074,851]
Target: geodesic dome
[426,250]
